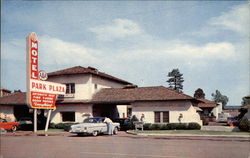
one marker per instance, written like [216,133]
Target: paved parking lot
[66,145]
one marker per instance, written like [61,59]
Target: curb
[33,134]
[190,135]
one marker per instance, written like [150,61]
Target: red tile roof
[113,95]
[18,98]
[160,93]
[89,70]
[206,103]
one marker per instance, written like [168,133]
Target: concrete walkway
[191,135]
[220,128]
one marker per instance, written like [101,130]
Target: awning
[197,108]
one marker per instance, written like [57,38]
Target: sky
[138,41]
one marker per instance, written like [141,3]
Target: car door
[103,126]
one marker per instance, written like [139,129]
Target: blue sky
[138,41]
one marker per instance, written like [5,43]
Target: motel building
[90,92]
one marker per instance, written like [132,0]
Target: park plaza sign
[40,94]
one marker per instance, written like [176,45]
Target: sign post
[40,94]
[35,120]
[47,122]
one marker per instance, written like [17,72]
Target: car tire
[94,133]
[115,132]
[79,134]
[13,128]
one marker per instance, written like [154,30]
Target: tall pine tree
[175,80]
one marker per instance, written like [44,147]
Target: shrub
[165,126]
[182,126]
[205,120]
[133,119]
[147,126]
[65,126]
[156,126]
[172,126]
[244,124]
[193,125]
[59,125]
[52,125]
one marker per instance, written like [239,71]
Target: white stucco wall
[79,110]
[7,112]
[82,85]
[85,84]
[104,83]
[122,110]
[217,110]
[175,108]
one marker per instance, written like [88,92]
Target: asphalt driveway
[64,145]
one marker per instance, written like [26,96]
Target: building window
[129,112]
[157,117]
[68,116]
[70,88]
[161,116]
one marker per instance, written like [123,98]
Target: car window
[90,120]
[3,121]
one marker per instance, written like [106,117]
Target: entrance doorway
[105,110]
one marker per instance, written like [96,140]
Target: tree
[199,93]
[245,100]
[17,91]
[218,97]
[175,80]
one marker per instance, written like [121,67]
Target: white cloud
[60,52]
[13,50]
[237,19]
[120,28]
[181,50]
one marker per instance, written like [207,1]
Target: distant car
[222,118]
[232,121]
[5,125]
[94,126]
[125,123]
[26,123]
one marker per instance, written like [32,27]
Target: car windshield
[92,120]
[3,120]
[25,119]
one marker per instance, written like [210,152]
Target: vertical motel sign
[40,94]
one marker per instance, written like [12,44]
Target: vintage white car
[94,126]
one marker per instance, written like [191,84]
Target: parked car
[94,126]
[5,125]
[222,118]
[125,123]
[232,121]
[26,123]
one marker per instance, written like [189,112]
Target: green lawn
[199,132]
[52,130]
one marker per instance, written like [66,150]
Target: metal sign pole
[35,121]
[47,123]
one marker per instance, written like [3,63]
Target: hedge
[65,126]
[146,126]
[244,124]
[172,126]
